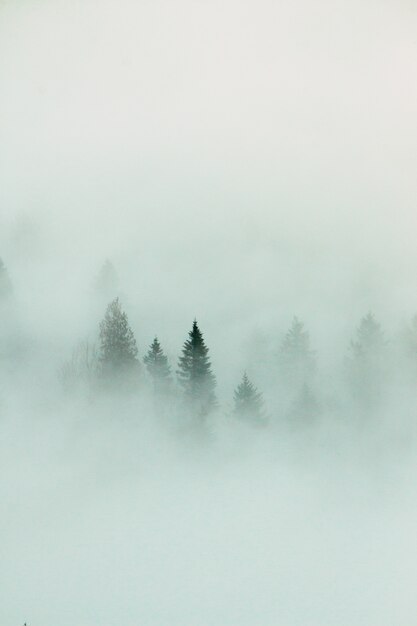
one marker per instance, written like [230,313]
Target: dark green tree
[159,371]
[118,350]
[248,402]
[297,360]
[195,375]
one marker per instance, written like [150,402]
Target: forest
[373,372]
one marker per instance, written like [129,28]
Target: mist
[240,176]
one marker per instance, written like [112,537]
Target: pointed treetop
[194,371]
[156,362]
[118,349]
[248,401]
[297,360]
[369,337]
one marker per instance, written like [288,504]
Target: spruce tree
[248,402]
[297,360]
[156,363]
[195,375]
[118,350]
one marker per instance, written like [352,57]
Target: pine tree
[5,283]
[370,341]
[156,363]
[248,402]
[195,375]
[297,360]
[366,366]
[118,350]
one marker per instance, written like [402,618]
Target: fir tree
[248,402]
[156,363]
[297,360]
[118,350]
[195,375]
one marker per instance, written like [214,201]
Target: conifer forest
[208,313]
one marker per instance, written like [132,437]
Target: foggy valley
[208,313]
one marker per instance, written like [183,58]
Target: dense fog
[208,301]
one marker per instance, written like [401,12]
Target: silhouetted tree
[118,350]
[248,402]
[195,375]
[297,360]
[156,363]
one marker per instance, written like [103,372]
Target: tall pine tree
[118,350]
[195,375]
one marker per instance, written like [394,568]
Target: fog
[250,166]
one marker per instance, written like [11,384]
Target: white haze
[241,163]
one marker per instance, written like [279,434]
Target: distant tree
[369,341]
[107,282]
[297,360]
[5,282]
[409,339]
[118,350]
[248,402]
[159,371]
[305,408]
[366,361]
[195,375]
[80,371]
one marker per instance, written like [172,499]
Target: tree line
[116,365]
[113,363]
